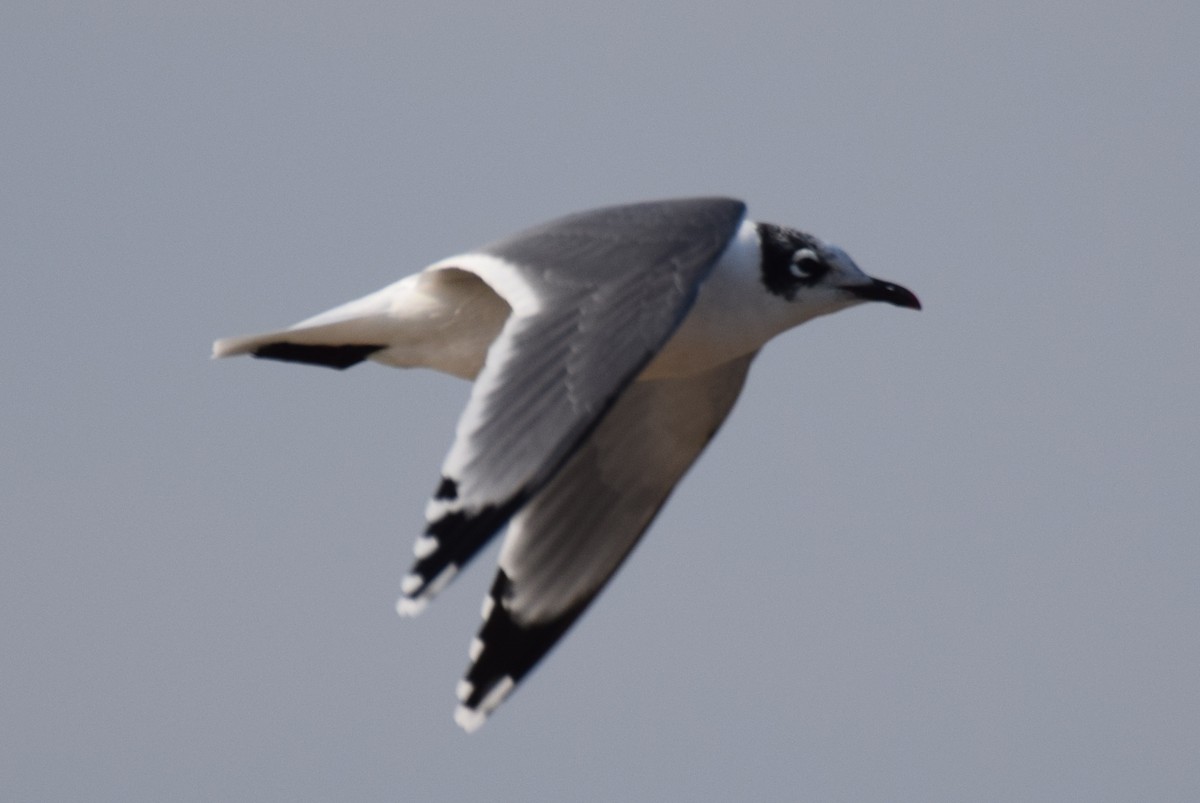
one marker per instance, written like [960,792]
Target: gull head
[820,277]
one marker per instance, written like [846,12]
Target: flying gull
[606,349]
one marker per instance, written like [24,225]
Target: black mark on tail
[340,357]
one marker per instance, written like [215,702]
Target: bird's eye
[806,264]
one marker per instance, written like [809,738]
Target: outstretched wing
[594,297]
[566,543]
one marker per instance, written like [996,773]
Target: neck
[734,313]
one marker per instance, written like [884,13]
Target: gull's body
[606,348]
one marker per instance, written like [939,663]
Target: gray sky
[940,556]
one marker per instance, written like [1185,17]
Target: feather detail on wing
[569,539]
[594,297]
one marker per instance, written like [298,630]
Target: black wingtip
[447,490]
[339,357]
[505,651]
[451,540]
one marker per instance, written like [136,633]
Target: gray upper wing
[604,290]
[566,543]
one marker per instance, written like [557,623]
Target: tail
[342,337]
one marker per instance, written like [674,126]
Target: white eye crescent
[803,262]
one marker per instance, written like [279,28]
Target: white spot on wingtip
[425,546]
[475,650]
[407,606]
[436,508]
[410,584]
[463,690]
[470,719]
[485,610]
[412,603]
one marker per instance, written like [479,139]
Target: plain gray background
[948,555]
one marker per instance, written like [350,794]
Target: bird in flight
[606,349]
